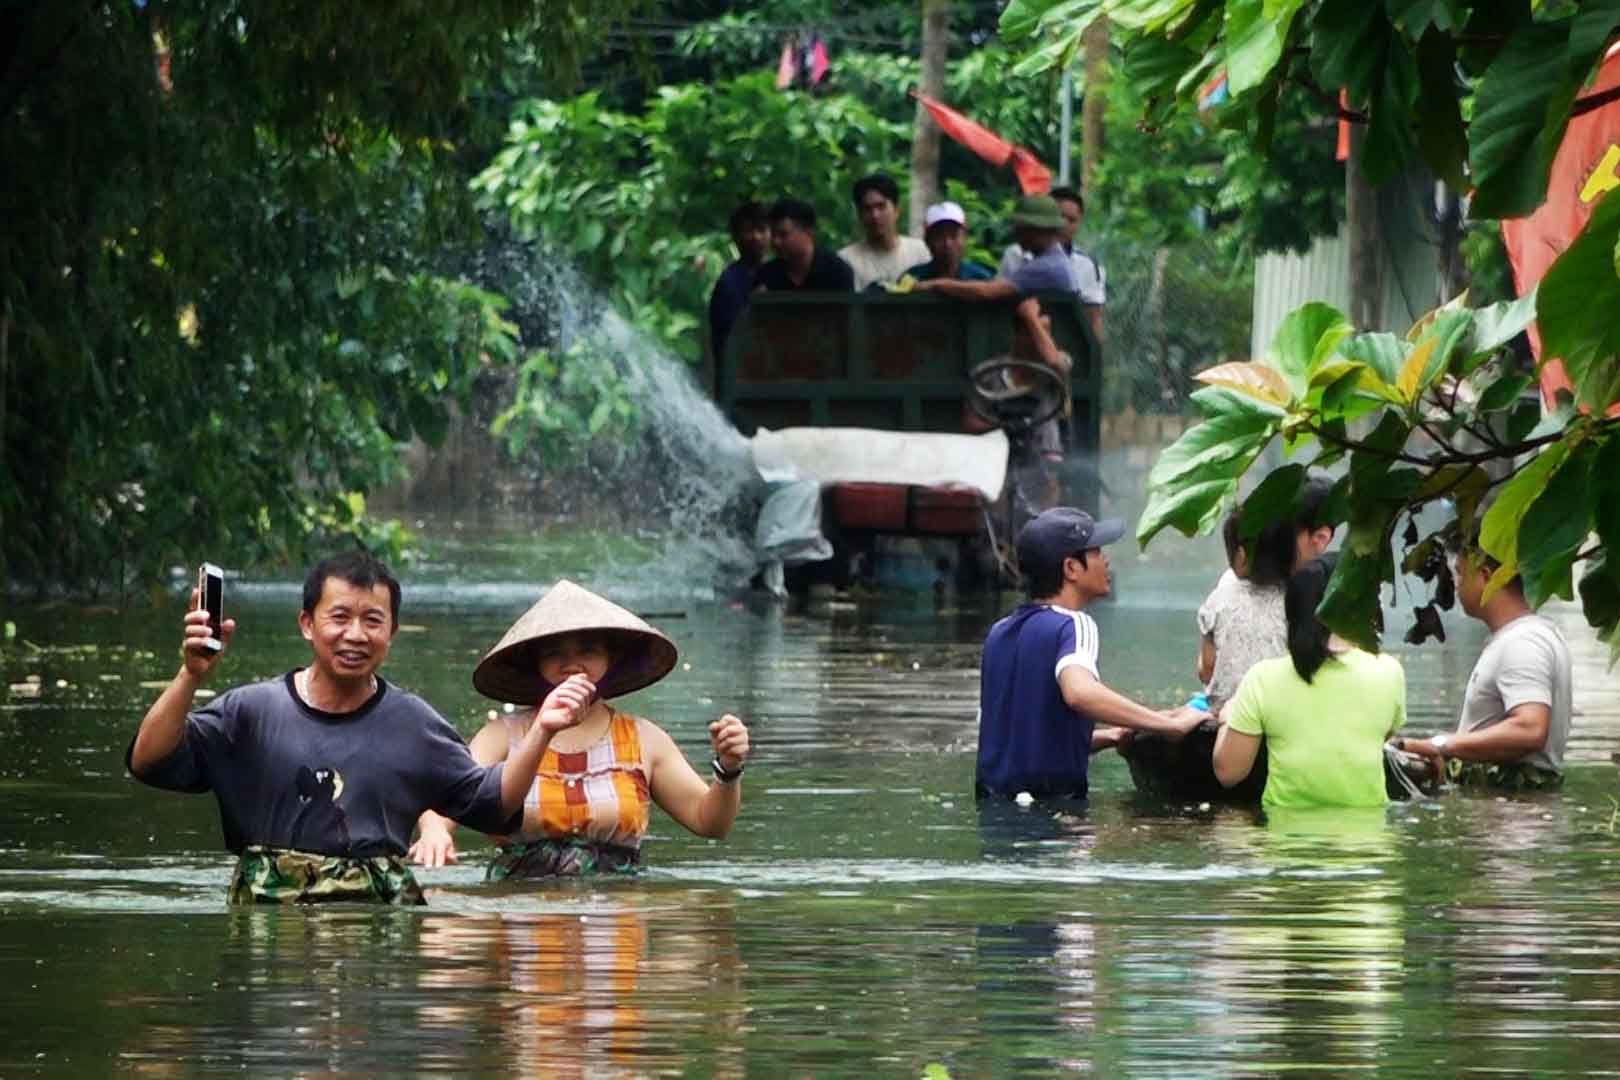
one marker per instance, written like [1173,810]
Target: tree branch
[1586,104]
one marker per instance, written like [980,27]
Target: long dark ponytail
[1307,637]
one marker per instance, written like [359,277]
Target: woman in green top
[1324,710]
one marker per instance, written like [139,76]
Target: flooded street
[864,917]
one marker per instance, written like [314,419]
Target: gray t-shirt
[287,775]
[1525,662]
[1046,272]
[1090,279]
[1247,624]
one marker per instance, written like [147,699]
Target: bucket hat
[1038,212]
[511,670]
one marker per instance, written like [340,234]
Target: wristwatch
[1439,742]
[724,776]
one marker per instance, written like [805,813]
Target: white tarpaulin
[864,455]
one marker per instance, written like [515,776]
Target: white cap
[945,211]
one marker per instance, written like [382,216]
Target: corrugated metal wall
[1410,268]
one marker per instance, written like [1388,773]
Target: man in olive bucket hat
[587,808]
[1037,225]
[319,772]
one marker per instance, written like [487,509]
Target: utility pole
[936,33]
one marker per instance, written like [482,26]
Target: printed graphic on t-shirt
[319,815]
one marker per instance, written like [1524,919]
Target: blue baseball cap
[1053,535]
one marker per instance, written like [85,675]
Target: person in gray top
[320,773]
[1516,711]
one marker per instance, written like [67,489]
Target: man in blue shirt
[1041,695]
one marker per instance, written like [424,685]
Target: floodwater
[863,919]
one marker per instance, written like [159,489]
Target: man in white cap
[945,233]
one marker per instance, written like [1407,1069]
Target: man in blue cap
[1040,694]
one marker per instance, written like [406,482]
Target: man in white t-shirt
[883,255]
[1516,711]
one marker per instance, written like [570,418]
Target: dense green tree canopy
[218,306]
[1482,93]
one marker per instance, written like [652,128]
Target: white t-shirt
[1525,662]
[873,266]
[1090,279]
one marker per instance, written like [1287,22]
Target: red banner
[1033,177]
[1587,168]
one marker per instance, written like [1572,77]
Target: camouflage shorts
[276,876]
[561,858]
[1517,776]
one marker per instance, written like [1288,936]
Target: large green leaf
[1255,32]
[1350,607]
[1147,15]
[1521,108]
[1385,356]
[1272,500]
[1577,302]
[1605,495]
[1021,18]
[1349,40]
[1208,450]
[1442,136]
[1600,593]
[1498,324]
[1307,337]
[1554,527]
[1391,141]
[1191,509]
[1416,16]
[1499,531]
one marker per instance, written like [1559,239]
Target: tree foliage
[1441,414]
[220,308]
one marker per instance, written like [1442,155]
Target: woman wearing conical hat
[588,807]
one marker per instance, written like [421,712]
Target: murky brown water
[863,919]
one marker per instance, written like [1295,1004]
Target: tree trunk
[936,33]
[1361,216]
[1093,104]
[1158,329]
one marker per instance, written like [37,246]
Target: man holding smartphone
[321,773]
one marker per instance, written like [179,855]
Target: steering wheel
[1015,395]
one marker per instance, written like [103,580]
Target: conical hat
[511,670]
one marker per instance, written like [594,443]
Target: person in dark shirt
[945,233]
[320,773]
[799,263]
[751,233]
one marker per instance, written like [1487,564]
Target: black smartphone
[211,594]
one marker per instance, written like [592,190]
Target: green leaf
[1521,108]
[1370,466]
[1146,15]
[1350,606]
[1385,355]
[1605,495]
[1504,391]
[1600,593]
[1306,338]
[1272,500]
[1191,509]
[1442,136]
[1499,532]
[1349,39]
[1553,529]
[1499,324]
[1255,32]
[1208,449]
[1577,301]
[1390,141]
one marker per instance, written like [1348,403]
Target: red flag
[1586,169]
[1342,153]
[1033,177]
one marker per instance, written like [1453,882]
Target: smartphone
[211,592]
